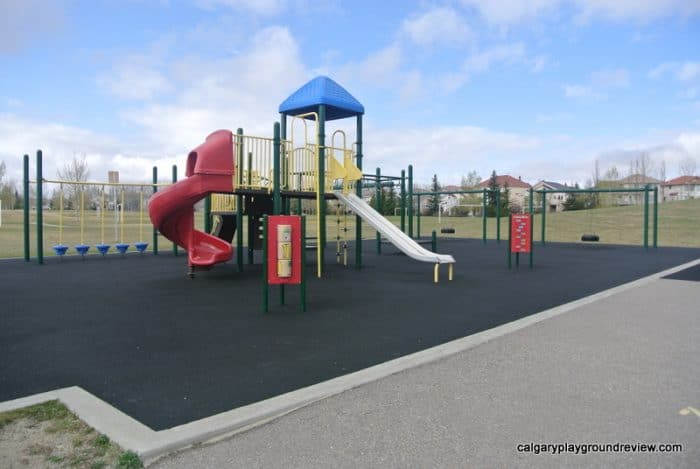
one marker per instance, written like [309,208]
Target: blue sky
[538,89]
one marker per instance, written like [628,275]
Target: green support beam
[155,230]
[27,252]
[39,209]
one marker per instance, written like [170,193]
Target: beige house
[555,200]
[519,190]
[681,188]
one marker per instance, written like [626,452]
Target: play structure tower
[323,100]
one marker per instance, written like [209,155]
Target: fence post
[155,230]
[27,252]
[39,209]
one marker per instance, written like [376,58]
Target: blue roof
[322,90]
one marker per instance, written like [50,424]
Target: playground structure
[240,175]
[267,174]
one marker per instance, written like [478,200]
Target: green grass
[89,449]
[679,225]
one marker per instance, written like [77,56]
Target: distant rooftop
[501,181]
[322,90]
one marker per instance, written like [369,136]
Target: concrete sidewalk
[623,369]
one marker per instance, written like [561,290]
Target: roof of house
[322,90]
[639,179]
[683,181]
[502,181]
[550,185]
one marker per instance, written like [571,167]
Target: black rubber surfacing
[168,350]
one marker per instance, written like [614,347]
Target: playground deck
[168,350]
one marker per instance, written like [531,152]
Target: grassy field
[679,225]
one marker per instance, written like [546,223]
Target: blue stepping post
[82,249]
[141,246]
[103,249]
[60,250]
[122,248]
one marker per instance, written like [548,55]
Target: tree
[434,200]
[687,166]
[662,170]
[470,181]
[612,174]
[491,195]
[505,201]
[389,201]
[75,170]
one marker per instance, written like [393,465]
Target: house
[519,190]
[555,200]
[636,181]
[681,188]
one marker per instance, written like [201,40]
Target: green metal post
[175,250]
[483,216]
[276,181]
[276,200]
[646,218]
[207,214]
[498,215]
[655,222]
[402,209]
[239,232]
[303,264]
[531,203]
[39,209]
[239,200]
[532,244]
[544,214]
[27,253]
[418,216]
[378,201]
[266,286]
[410,200]
[433,241]
[358,191]
[321,235]
[250,168]
[510,238]
[155,230]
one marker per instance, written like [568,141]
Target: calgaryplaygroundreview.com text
[587,448]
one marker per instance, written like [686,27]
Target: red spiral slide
[209,169]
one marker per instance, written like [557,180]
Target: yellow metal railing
[223,203]
[299,166]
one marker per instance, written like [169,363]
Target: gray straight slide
[397,237]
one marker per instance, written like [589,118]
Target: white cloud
[511,12]
[24,22]
[379,68]
[600,82]
[225,93]
[439,26]
[610,78]
[260,7]
[689,71]
[483,61]
[682,71]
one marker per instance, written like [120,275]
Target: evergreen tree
[434,200]
[505,201]
[491,195]
[389,202]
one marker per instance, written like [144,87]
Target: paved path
[619,370]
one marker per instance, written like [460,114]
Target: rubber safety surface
[167,350]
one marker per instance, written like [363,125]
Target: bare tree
[644,164]
[75,170]
[688,166]
[612,174]
[662,170]
[596,173]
